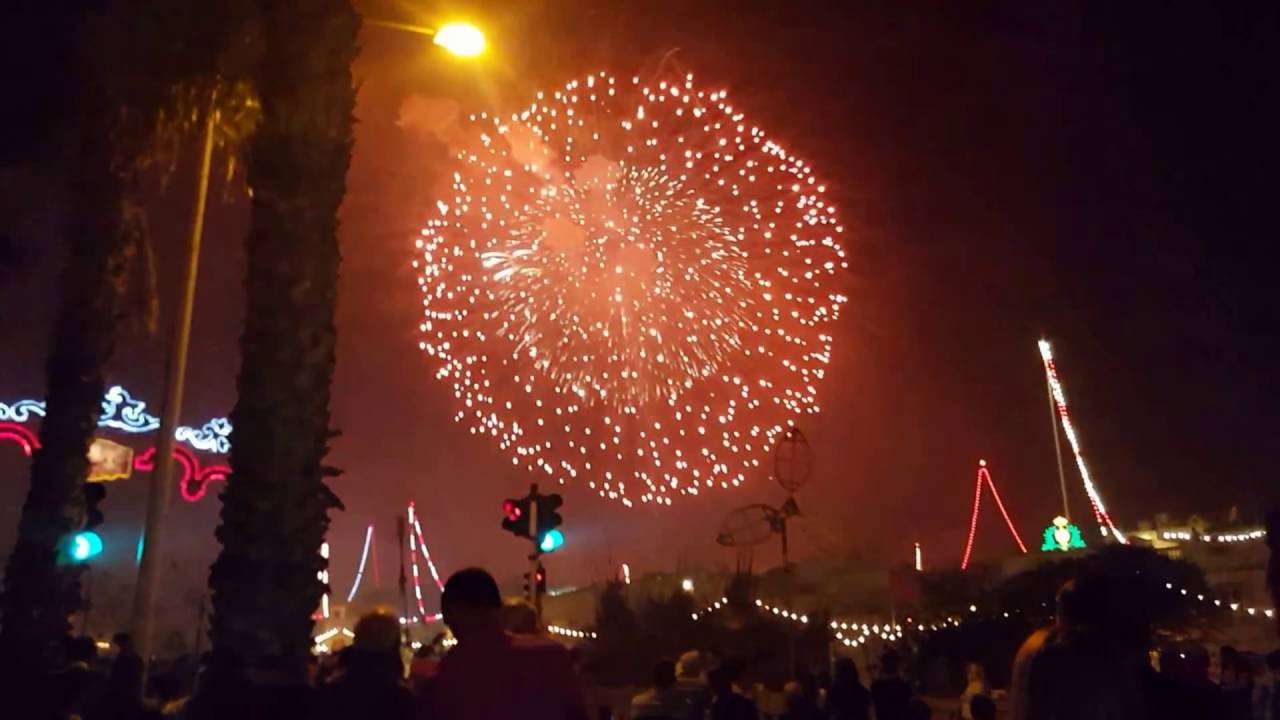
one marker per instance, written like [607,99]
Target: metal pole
[162,476]
[534,600]
[404,594]
[88,600]
[1057,447]
[200,613]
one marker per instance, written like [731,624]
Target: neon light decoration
[416,541]
[985,475]
[1060,399]
[120,411]
[323,576]
[25,439]
[21,411]
[195,479]
[364,557]
[1061,536]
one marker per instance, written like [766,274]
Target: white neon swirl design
[120,411]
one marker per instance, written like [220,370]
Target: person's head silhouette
[471,603]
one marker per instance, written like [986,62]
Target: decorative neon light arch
[122,412]
[25,439]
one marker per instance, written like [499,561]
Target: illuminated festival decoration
[1061,536]
[364,557]
[120,411]
[571,633]
[418,543]
[323,577]
[984,476]
[631,285]
[195,478]
[1060,399]
[25,439]
[21,411]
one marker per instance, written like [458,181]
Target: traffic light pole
[535,597]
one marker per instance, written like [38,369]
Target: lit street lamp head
[461,39]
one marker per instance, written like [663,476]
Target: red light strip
[985,475]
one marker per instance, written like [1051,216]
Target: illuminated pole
[1057,448]
[160,487]
[1060,402]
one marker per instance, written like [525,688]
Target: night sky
[1103,177]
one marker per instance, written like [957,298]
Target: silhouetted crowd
[1093,663]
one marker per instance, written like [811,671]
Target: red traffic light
[512,510]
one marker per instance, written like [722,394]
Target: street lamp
[461,39]
[458,38]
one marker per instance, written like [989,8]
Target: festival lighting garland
[195,478]
[120,411]
[633,286]
[364,557]
[1060,400]
[984,474]
[25,439]
[416,541]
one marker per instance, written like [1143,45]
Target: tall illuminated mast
[1060,402]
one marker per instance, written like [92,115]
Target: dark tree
[276,502]
[617,656]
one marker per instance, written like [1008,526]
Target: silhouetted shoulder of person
[733,706]
[358,694]
[891,696]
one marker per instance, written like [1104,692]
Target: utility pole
[535,597]
[161,485]
[404,592]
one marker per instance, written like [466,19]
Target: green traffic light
[551,541]
[84,545]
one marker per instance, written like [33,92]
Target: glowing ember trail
[631,286]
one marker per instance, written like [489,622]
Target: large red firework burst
[631,286]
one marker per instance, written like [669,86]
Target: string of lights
[121,411]
[364,557]
[1060,400]
[984,475]
[416,542]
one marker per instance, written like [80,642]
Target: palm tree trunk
[40,592]
[275,506]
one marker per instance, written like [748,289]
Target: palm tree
[105,250]
[275,507]
[129,61]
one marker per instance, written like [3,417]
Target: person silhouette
[494,675]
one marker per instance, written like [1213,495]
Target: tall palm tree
[130,59]
[275,507]
[105,247]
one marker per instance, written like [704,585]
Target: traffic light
[84,545]
[539,582]
[548,537]
[94,494]
[515,517]
[551,541]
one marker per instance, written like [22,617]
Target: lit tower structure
[1058,405]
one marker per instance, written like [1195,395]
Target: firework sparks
[631,286]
